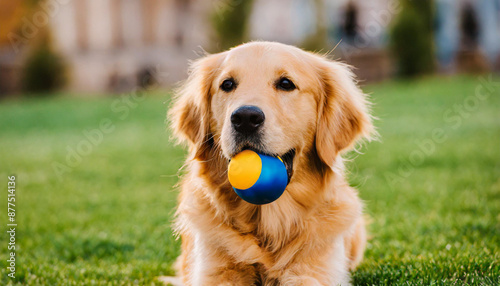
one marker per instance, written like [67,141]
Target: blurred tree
[411,37]
[44,70]
[11,14]
[318,40]
[230,20]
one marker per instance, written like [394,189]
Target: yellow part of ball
[244,169]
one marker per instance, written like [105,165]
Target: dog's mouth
[287,158]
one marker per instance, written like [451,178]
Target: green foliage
[412,39]
[315,42]
[44,69]
[229,20]
[107,222]
[318,40]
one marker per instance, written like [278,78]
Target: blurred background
[84,90]
[102,46]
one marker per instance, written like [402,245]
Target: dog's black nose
[247,119]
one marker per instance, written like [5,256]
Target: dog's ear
[343,114]
[190,113]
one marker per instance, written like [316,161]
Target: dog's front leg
[211,265]
[313,266]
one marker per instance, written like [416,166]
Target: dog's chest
[270,226]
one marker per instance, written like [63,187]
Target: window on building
[350,25]
[469,27]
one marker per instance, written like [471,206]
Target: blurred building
[468,35]
[357,29]
[116,45]
[111,45]
[467,32]
[119,44]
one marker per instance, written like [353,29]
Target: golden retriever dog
[292,103]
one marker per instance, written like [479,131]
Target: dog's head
[273,98]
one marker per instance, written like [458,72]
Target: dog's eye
[285,84]
[228,85]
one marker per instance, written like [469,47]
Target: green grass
[435,218]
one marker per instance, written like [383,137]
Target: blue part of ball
[271,184]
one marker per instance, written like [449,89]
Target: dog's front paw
[169,280]
[240,276]
[293,280]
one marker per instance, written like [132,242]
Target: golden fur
[315,232]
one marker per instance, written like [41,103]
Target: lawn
[95,186]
